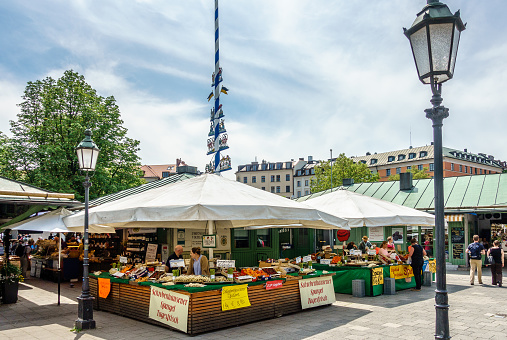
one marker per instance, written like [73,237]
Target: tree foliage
[343,167]
[53,117]
[416,174]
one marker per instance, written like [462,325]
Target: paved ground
[477,312]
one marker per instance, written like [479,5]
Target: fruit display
[191,278]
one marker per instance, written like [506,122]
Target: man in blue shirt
[475,251]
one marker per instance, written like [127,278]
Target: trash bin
[358,288]
[389,286]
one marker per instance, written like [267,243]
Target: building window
[452,166]
[476,171]
[254,179]
[388,172]
[411,155]
[423,154]
[263,238]
[278,178]
[272,189]
[264,166]
[409,167]
[287,177]
[165,174]
[288,165]
[279,166]
[263,179]
[298,183]
[373,161]
[363,161]
[398,171]
[461,168]
[287,188]
[272,178]
[271,166]
[263,188]
[299,193]
[401,157]
[278,189]
[306,182]
[307,192]
[245,180]
[390,159]
[466,169]
[420,167]
[241,238]
[480,171]
[432,166]
[312,171]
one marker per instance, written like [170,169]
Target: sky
[303,76]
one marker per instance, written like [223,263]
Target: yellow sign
[234,297]
[402,271]
[433,266]
[104,287]
[377,276]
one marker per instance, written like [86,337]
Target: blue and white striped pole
[216,119]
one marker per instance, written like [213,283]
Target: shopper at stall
[476,250]
[496,268]
[427,246]
[416,256]
[351,245]
[198,263]
[176,255]
[364,245]
[390,244]
[383,249]
[25,259]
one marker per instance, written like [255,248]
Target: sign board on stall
[457,251]
[458,234]
[196,238]
[325,261]
[298,259]
[372,252]
[151,252]
[226,263]
[234,297]
[274,284]
[209,241]
[104,287]
[376,233]
[317,291]
[307,258]
[169,307]
[176,263]
[123,259]
[377,276]
[402,271]
[432,264]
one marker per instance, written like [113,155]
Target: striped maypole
[217,129]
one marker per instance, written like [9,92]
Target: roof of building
[141,188]
[156,170]
[463,193]
[269,166]
[47,197]
[402,156]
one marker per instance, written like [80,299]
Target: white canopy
[194,202]
[53,222]
[361,210]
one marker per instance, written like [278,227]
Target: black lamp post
[434,38]
[87,154]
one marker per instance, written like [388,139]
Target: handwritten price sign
[235,297]
[377,276]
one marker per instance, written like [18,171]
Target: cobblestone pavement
[476,312]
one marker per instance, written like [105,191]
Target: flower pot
[10,292]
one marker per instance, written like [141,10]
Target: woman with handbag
[496,260]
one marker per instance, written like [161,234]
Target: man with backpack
[475,251]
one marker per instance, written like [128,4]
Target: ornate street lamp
[87,154]
[434,38]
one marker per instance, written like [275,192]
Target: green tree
[53,117]
[416,174]
[343,167]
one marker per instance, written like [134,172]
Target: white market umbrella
[361,210]
[195,202]
[53,222]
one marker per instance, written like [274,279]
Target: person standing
[364,245]
[198,263]
[390,244]
[177,255]
[416,255]
[496,268]
[476,250]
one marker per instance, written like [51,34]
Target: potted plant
[10,275]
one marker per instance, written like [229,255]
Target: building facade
[275,177]
[304,171]
[456,162]
[156,172]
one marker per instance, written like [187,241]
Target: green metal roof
[136,190]
[464,193]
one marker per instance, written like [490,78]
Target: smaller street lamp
[87,154]
[434,39]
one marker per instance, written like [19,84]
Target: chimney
[310,159]
[431,143]
[348,181]
[367,154]
[406,181]
[465,150]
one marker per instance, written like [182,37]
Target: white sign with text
[169,308]
[317,291]
[226,263]
[151,252]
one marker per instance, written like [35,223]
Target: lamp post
[434,38]
[87,154]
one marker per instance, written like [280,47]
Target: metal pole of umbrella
[59,264]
